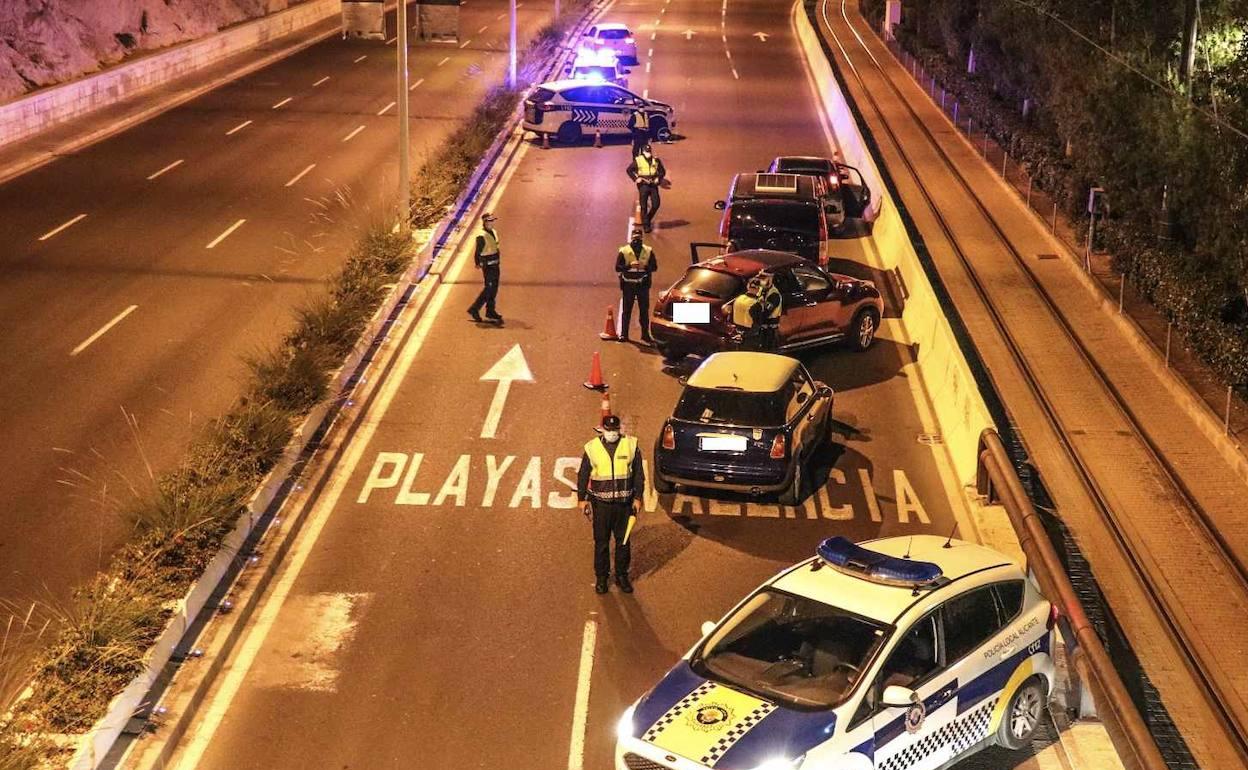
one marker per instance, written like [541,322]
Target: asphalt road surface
[130,292]
[438,611]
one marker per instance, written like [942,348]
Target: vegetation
[1109,104]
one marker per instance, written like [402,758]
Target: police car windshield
[711,283]
[792,649]
[732,407]
[793,217]
[612,34]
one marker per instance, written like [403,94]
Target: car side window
[811,281]
[579,94]
[914,658]
[618,96]
[1010,599]
[970,620]
[798,385]
[788,285]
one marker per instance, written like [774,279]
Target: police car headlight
[624,729]
[780,763]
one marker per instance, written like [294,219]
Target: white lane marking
[416,85]
[225,234]
[647,66]
[735,76]
[283,102]
[56,230]
[649,52]
[465,44]
[391,40]
[496,18]
[353,134]
[103,330]
[510,368]
[385,109]
[728,54]
[300,175]
[724,38]
[662,10]
[238,128]
[645,93]
[170,167]
[360,59]
[484,27]
[519,4]
[657,22]
[652,34]
[580,707]
[444,61]
[322,80]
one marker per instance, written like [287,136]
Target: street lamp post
[511,49]
[405,163]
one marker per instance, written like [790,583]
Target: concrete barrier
[955,396]
[50,107]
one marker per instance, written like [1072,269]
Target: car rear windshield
[804,166]
[724,406]
[540,95]
[771,215]
[594,72]
[711,284]
[613,34]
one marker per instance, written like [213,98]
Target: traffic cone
[608,330]
[595,381]
[597,138]
[606,406]
[545,141]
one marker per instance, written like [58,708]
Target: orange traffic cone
[597,138]
[595,381]
[606,406]
[545,141]
[608,330]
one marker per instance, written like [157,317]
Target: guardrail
[998,482]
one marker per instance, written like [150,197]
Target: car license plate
[721,443]
[691,312]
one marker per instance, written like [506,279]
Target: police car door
[913,737]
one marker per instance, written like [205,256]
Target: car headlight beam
[624,728]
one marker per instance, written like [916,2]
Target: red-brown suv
[819,307]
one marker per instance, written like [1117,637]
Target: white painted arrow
[761,36]
[688,34]
[509,368]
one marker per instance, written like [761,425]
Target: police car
[571,109]
[906,653]
[598,67]
[614,37]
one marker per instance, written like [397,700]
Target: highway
[139,272]
[438,610]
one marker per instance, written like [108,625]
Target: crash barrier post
[998,481]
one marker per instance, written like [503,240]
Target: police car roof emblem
[848,557]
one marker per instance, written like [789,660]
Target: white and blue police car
[902,653]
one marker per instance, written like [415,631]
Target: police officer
[648,172]
[771,310]
[635,263]
[639,125]
[747,315]
[486,257]
[607,486]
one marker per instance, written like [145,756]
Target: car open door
[856,193]
[700,251]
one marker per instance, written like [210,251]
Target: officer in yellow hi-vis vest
[608,486]
[772,309]
[486,256]
[635,263]
[639,124]
[748,313]
[648,172]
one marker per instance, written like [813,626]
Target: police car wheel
[1022,716]
[569,132]
[661,131]
[793,494]
[862,334]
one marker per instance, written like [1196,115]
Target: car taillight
[629,40]
[669,437]
[1054,614]
[777,447]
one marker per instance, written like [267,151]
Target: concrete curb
[420,282]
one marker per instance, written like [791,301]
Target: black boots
[600,586]
[623,582]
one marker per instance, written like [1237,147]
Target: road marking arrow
[509,368]
[761,36]
[688,34]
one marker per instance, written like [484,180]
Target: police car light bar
[848,557]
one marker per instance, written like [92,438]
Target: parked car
[844,182]
[598,67]
[907,652]
[568,109]
[615,37]
[784,212]
[819,307]
[746,422]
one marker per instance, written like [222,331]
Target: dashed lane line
[652,34]
[735,76]
[226,234]
[65,226]
[238,128]
[391,40]
[102,330]
[483,28]
[465,44]
[385,109]
[322,80]
[444,61]
[283,102]
[580,707]
[300,175]
[416,85]
[170,167]
[647,66]
[353,134]
[360,59]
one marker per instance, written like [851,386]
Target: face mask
[636,243]
[610,436]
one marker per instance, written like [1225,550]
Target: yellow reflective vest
[490,246]
[611,476]
[772,297]
[647,168]
[642,123]
[741,307]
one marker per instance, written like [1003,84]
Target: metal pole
[511,49]
[1227,424]
[1053,227]
[1122,287]
[1169,328]
[985,144]
[1028,191]
[955,113]
[942,100]
[1005,156]
[1087,251]
[405,161]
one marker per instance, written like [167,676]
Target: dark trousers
[761,338]
[649,203]
[610,520]
[489,273]
[641,296]
[640,139]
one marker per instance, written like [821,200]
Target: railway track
[1201,534]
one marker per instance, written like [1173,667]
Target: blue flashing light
[877,567]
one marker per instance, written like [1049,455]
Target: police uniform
[758,318]
[648,173]
[772,309]
[486,255]
[639,124]
[611,477]
[635,267]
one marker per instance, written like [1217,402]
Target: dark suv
[781,212]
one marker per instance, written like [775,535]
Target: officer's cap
[611,422]
[489,217]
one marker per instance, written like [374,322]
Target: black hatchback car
[746,422]
[781,212]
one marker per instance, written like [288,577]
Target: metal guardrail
[998,481]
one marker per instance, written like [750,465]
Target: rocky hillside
[44,42]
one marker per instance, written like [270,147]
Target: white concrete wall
[958,405]
[30,115]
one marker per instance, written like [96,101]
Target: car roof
[768,185]
[611,25]
[749,262]
[884,602]
[563,85]
[746,371]
[802,158]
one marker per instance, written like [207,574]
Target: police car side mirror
[683,380]
[720,205]
[707,627]
[896,696]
